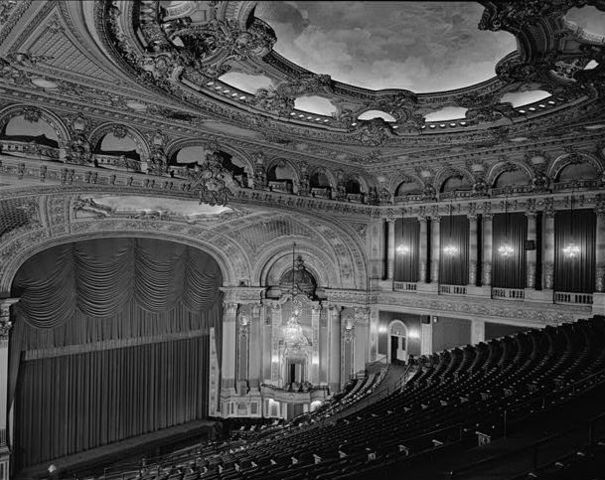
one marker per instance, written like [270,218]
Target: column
[391,248]
[600,250]
[229,341]
[426,337]
[487,250]
[435,249]
[548,259]
[422,251]
[334,352]
[477,331]
[472,250]
[530,255]
[5,326]
[256,347]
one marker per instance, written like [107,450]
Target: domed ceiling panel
[419,46]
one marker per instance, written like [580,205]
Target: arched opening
[111,340]
[320,184]
[398,341]
[577,171]
[512,178]
[281,178]
[29,135]
[408,188]
[456,183]
[118,144]
[187,158]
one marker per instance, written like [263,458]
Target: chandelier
[293,331]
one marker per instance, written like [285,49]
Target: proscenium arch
[49,117]
[135,135]
[500,167]
[228,272]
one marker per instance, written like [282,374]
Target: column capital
[5,321]
[531,213]
[5,305]
[390,219]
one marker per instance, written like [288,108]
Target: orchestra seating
[447,399]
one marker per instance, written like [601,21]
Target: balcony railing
[452,290]
[404,286]
[508,293]
[577,298]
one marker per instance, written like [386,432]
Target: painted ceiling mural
[418,46]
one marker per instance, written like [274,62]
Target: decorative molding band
[110,345]
[538,314]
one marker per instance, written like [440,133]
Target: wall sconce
[403,249]
[413,334]
[572,249]
[506,250]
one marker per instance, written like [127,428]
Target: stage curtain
[72,403]
[509,272]
[575,274]
[453,269]
[111,304]
[407,233]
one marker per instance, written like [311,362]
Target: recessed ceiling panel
[420,46]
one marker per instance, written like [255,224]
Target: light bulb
[506,250]
[403,249]
[571,250]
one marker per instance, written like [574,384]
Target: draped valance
[100,277]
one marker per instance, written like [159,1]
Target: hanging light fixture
[572,249]
[506,249]
[293,332]
[402,248]
[450,249]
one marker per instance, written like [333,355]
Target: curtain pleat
[60,409]
[407,235]
[509,271]
[101,294]
[454,231]
[575,273]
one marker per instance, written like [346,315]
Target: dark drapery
[509,271]
[407,234]
[575,274]
[113,309]
[454,231]
[72,403]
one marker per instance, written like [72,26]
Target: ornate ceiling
[158,65]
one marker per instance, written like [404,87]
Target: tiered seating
[451,395]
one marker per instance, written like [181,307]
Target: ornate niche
[297,345]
